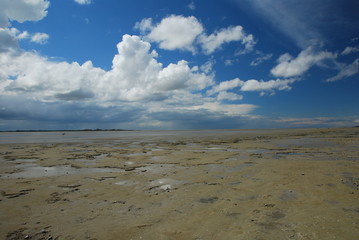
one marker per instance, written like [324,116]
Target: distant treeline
[78,130]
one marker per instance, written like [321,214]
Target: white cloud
[136,79]
[187,33]
[228,62]
[234,33]
[226,109]
[249,85]
[208,66]
[292,18]
[279,84]
[229,96]
[83,2]
[261,59]
[346,71]
[22,10]
[305,21]
[23,35]
[226,85]
[350,50]
[135,75]
[290,67]
[248,42]
[191,6]
[145,25]
[40,38]
[9,37]
[8,40]
[175,32]
[319,121]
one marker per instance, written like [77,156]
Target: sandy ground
[282,184]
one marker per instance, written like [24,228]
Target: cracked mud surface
[275,184]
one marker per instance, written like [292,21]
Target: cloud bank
[139,91]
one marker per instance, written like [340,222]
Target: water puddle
[85,162]
[25,160]
[258,151]
[159,168]
[158,158]
[100,156]
[126,183]
[215,149]
[139,154]
[34,171]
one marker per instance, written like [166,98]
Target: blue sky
[201,64]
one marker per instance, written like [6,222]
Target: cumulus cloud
[290,67]
[234,33]
[8,40]
[176,32]
[346,71]
[136,79]
[22,10]
[188,33]
[135,75]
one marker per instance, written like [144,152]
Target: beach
[220,184]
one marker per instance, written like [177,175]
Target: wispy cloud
[350,50]
[83,2]
[346,71]
[305,21]
[262,58]
[290,67]
[319,122]
[191,6]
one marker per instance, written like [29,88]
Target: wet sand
[275,184]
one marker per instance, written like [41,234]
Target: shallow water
[134,136]
[34,171]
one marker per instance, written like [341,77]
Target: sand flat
[270,184]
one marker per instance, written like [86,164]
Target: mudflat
[273,184]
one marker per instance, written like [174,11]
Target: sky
[180,64]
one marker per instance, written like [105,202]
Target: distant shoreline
[121,130]
[77,130]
